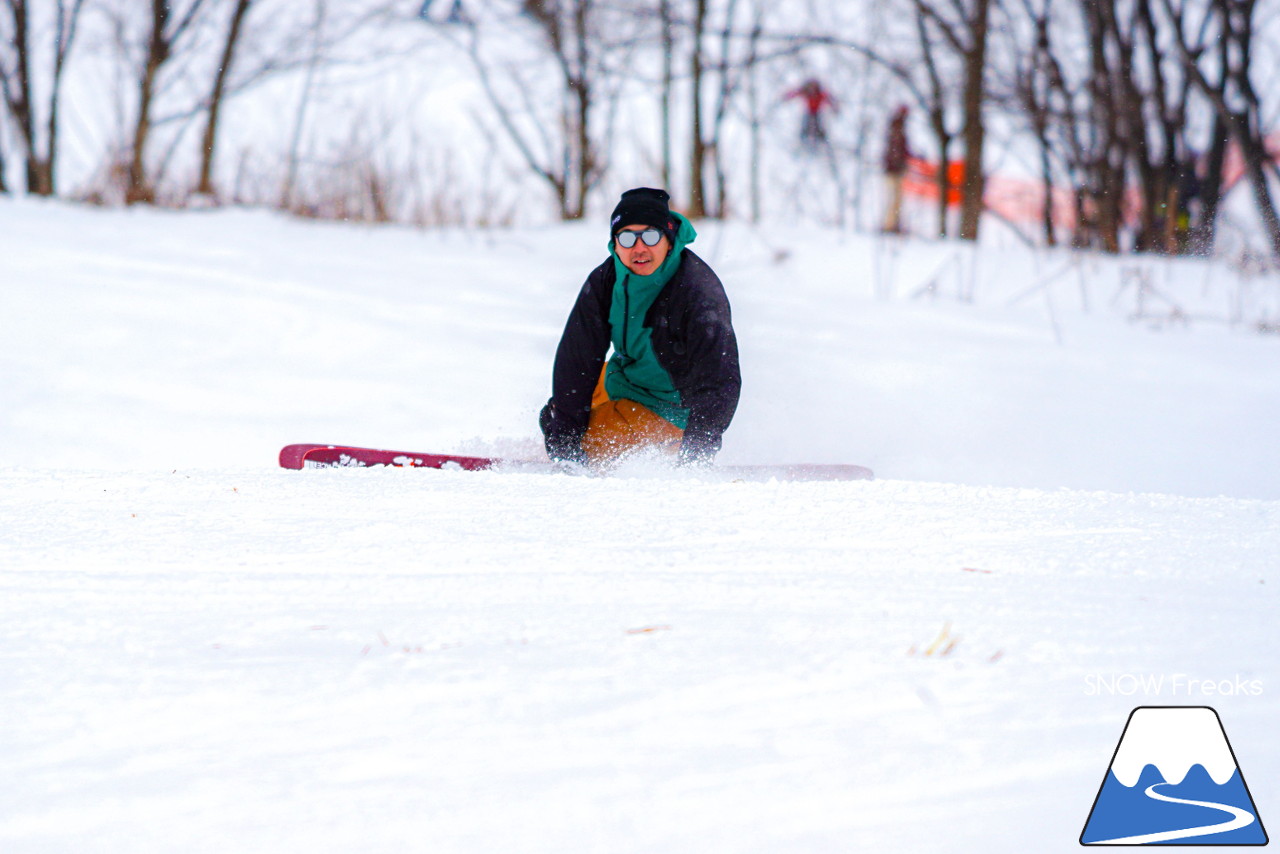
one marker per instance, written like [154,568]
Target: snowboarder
[897,154]
[672,382]
[812,133]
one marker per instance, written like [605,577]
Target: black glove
[563,440]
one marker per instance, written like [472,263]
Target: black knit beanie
[644,206]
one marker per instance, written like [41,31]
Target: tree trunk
[1105,166]
[1204,231]
[204,185]
[943,178]
[580,86]
[1109,205]
[16,87]
[1046,178]
[289,192]
[140,189]
[698,152]
[39,176]
[1236,47]
[1255,161]
[18,93]
[68,21]
[971,192]
[570,40]
[668,76]
[937,117]
[753,99]
[723,99]
[1038,89]
[39,172]
[1245,124]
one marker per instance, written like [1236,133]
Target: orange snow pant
[619,427]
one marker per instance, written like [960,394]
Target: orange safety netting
[1021,200]
[921,179]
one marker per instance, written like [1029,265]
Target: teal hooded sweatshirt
[634,372]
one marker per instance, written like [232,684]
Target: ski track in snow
[1239,818]
[201,652]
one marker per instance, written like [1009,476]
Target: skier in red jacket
[812,134]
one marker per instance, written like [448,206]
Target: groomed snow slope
[201,652]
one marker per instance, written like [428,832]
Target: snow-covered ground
[1077,512]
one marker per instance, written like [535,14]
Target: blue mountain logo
[1173,780]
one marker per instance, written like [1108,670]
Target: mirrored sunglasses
[627,239]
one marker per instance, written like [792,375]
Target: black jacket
[693,339]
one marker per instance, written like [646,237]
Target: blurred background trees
[1114,124]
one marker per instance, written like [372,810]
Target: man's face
[641,258]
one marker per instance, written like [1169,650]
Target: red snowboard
[328,456]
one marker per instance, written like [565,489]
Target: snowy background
[1078,488]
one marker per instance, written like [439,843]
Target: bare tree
[1159,94]
[727,66]
[314,60]
[965,27]
[205,183]
[1034,89]
[934,101]
[668,81]
[17,74]
[569,34]
[563,151]
[754,116]
[1203,231]
[974,134]
[1043,88]
[698,147]
[1234,99]
[1192,39]
[731,72]
[1108,119]
[165,31]
[1108,102]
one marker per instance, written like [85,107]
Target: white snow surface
[202,652]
